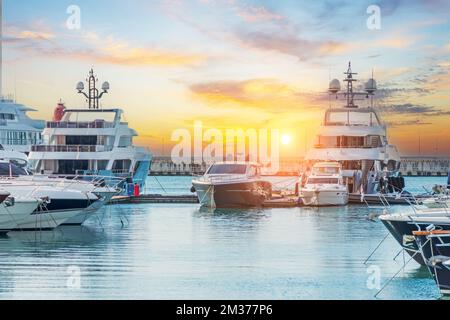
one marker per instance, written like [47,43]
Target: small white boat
[325,186]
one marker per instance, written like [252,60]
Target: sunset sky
[235,64]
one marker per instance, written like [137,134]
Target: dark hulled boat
[232,185]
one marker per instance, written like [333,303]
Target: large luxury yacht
[93,141]
[355,137]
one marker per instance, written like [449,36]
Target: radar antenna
[350,95]
[94,95]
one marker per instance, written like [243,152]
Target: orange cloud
[269,95]
[146,56]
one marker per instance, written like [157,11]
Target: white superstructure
[18,132]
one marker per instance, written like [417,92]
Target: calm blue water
[181,252]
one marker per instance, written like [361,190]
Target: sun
[285,139]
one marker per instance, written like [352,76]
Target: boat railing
[70,148]
[226,178]
[68,181]
[80,125]
[321,146]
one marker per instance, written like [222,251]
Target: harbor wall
[411,166]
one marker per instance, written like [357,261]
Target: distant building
[411,166]
[425,166]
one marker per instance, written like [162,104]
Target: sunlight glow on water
[168,251]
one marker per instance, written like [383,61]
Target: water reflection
[62,236]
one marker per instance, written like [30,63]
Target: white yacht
[18,132]
[355,137]
[91,142]
[325,186]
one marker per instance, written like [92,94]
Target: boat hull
[11,216]
[46,220]
[324,198]
[232,195]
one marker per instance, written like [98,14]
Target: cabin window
[9,169]
[7,116]
[125,142]
[102,164]
[323,181]
[81,140]
[122,165]
[228,169]
[72,166]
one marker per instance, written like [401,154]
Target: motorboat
[231,185]
[325,186]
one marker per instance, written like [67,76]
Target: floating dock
[155,198]
[275,202]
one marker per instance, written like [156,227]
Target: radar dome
[105,86]
[335,86]
[80,86]
[371,86]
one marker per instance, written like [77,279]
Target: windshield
[323,181]
[351,117]
[326,170]
[228,169]
[7,169]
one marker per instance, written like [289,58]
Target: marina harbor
[84,172]
[225,150]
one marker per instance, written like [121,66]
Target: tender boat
[231,185]
[354,136]
[325,186]
[91,142]
[435,250]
